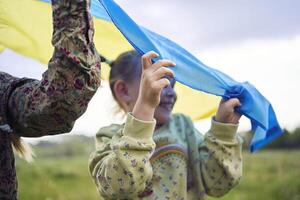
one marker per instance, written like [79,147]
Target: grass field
[273,175]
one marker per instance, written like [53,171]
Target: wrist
[218,119]
[143,111]
[225,120]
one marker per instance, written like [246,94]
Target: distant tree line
[288,140]
[67,146]
[80,145]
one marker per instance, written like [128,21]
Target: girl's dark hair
[126,67]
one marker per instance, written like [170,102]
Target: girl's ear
[122,94]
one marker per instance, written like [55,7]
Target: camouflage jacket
[33,108]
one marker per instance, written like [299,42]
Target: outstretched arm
[52,105]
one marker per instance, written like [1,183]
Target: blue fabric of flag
[192,72]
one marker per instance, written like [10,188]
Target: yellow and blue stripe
[28,31]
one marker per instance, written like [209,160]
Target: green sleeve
[120,165]
[216,159]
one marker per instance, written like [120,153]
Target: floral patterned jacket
[33,108]
[176,162]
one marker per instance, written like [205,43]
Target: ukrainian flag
[26,28]
[28,31]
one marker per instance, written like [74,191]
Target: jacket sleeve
[216,159]
[52,105]
[120,165]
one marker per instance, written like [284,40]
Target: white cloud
[20,66]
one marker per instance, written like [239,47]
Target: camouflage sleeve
[51,106]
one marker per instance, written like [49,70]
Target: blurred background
[250,40]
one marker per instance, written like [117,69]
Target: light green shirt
[132,161]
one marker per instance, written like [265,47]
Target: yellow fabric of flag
[26,28]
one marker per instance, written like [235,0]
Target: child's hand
[226,112]
[153,80]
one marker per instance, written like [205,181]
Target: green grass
[273,175]
[55,179]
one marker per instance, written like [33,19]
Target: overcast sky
[201,24]
[250,40]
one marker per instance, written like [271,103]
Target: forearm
[121,169]
[221,166]
[51,106]
[142,111]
